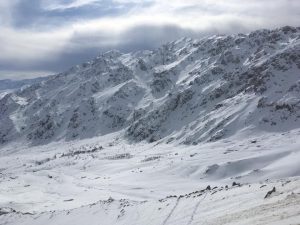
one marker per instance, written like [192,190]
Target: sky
[42,37]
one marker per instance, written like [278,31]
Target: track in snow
[195,210]
[172,211]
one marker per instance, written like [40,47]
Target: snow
[58,187]
[195,132]
[187,81]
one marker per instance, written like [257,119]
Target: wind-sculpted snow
[188,91]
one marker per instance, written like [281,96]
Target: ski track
[195,209]
[171,212]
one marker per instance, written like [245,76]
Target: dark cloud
[150,36]
[86,46]
[33,14]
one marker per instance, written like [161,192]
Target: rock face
[187,91]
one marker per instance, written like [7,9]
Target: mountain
[195,132]
[8,84]
[213,88]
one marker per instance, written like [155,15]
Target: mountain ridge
[213,88]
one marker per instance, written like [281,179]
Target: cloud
[51,5]
[44,35]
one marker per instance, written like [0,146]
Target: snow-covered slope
[195,132]
[213,88]
[101,181]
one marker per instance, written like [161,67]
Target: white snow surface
[195,132]
[98,181]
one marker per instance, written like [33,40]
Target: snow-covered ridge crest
[187,91]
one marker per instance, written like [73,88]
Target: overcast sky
[39,37]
